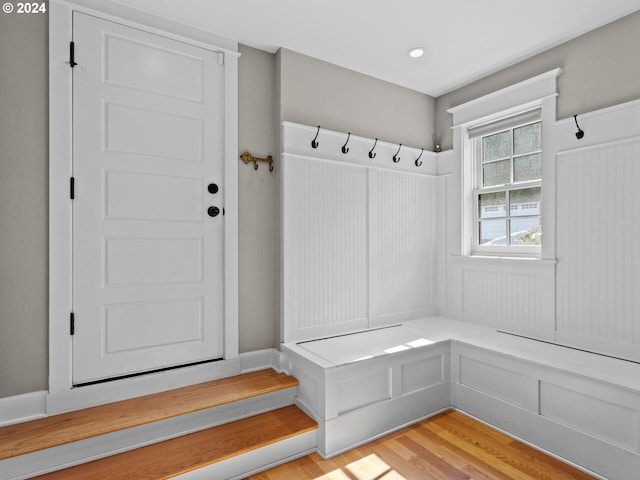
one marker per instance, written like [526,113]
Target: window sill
[490,260]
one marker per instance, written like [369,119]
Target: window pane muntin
[527,167]
[496,173]
[524,202]
[525,231]
[527,138]
[492,205]
[492,232]
[497,145]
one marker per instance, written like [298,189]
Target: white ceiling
[464,39]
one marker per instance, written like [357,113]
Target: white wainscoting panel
[403,239]
[362,390]
[325,247]
[359,234]
[422,374]
[492,380]
[590,422]
[509,294]
[590,414]
[597,234]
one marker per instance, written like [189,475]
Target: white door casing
[148,123]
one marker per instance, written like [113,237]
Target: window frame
[477,163]
[539,91]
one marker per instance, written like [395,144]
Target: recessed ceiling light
[416,52]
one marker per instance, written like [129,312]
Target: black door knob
[213,188]
[213,211]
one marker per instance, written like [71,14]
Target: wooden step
[79,425]
[197,450]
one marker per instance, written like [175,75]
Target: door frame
[62,395]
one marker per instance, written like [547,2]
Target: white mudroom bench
[581,407]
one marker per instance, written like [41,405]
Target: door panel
[158,133]
[147,259]
[151,68]
[132,327]
[143,196]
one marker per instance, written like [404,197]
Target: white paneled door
[148,201]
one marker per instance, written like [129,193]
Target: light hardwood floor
[449,446]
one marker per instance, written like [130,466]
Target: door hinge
[220,58]
[72,54]
[72,188]
[72,324]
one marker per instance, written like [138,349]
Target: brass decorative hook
[247,157]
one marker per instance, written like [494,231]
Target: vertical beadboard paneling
[359,234]
[598,302]
[403,241]
[512,295]
[326,233]
[499,297]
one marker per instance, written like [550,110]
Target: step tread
[183,454]
[69,427]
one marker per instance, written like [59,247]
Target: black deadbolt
[213,188]
[213,211]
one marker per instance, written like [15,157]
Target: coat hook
[396,158]
[371,154]
[418,163]
[580,132]
[315,144]
[246,157]
[345,150]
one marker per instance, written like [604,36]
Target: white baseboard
[260,360]
[22,408]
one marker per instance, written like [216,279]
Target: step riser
[258,460]
[64,456]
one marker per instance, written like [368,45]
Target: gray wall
[257,235]
[23,203]
[314,92]
[600,68]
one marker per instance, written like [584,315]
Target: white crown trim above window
[501,101]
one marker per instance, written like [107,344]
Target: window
[505,154]
[507,185]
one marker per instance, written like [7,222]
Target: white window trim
[539,91]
